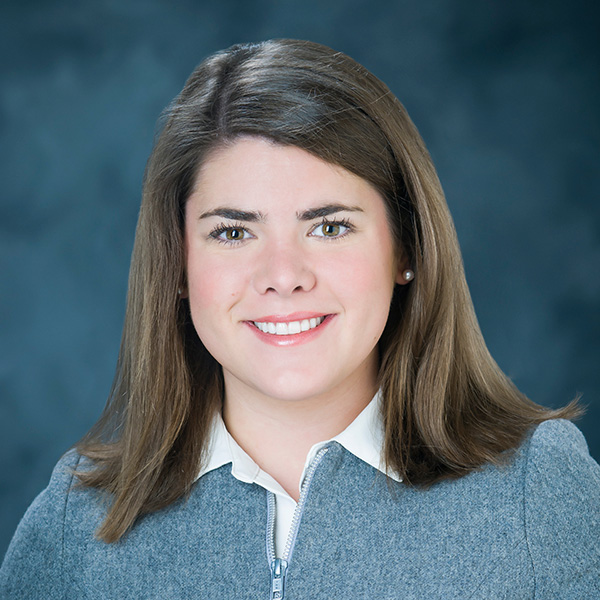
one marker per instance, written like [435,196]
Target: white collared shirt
[363,438]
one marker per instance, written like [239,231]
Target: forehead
[253,169]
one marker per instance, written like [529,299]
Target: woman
[301,364]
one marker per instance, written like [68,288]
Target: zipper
[279,566]
[278,572]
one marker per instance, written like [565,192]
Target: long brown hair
[447,407]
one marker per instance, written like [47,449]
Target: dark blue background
[505,93]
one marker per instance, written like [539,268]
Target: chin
[294,388]
[292,393]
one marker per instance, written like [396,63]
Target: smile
[289,327]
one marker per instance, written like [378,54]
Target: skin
[257,250]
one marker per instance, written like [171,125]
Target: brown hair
[447,407]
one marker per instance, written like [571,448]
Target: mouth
[288,327]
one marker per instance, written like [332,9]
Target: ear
[182,290]
[404,274]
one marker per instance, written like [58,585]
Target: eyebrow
[234,214]
[256,216]
[324,211]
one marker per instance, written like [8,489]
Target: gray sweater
[530,529]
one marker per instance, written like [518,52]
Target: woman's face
[290,270]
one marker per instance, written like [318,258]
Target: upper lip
[297,316]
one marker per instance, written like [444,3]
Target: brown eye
[331,230]
[230,234]
[233,235]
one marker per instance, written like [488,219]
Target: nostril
[283,278]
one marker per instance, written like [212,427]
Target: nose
[283,269]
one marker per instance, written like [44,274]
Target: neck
[278,434]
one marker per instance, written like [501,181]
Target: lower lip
[293,339]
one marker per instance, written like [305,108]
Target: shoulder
[558,467]
[32,565]
[52,500]
[557,451]
[561,496]
[558,433]
[63,473]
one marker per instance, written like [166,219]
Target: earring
[179,291]
[408,275]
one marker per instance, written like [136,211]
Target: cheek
[370,269]
[211,293]
[211,285]
[365,283]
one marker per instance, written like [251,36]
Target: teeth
[294,327]
[290,327]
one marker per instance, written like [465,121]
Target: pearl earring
[408,275]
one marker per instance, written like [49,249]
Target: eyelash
[223,227]
[340,223]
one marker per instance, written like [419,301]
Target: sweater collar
[363,438]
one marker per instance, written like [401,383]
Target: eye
[233,234]
[230,234]
[332,229]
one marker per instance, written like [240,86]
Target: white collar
[363,437]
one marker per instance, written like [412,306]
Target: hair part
[447,407]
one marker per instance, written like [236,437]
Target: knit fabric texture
[527,530]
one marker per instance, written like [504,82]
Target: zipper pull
[278,570]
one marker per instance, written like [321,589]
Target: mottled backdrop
[505,93]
